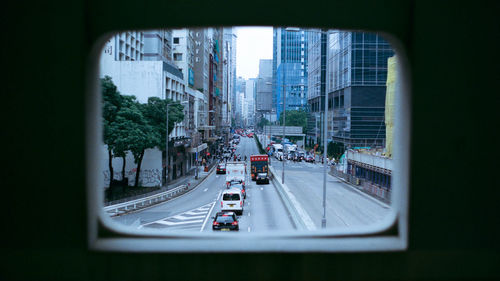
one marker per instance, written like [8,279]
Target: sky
[252,45]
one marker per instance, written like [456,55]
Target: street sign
[278,130]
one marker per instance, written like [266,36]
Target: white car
[279,155]
[232,200]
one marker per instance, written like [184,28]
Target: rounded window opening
[277,130]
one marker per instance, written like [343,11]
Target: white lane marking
[181,217]
[177,223]
[249,229]
[209,212]
[194,213]
[198,211]
[261,188]
[204,190]
[249,214]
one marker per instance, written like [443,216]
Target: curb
[299,216]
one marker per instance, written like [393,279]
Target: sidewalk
[187,179]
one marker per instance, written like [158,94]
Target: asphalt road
[345,206]
[263,208]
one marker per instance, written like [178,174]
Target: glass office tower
[290,69]
[356,86]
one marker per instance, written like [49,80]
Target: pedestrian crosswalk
[190,220]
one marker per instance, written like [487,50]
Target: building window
[177,56]
[176,40]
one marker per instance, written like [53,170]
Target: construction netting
[389,103]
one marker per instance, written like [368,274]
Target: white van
[236,171]
[232,200]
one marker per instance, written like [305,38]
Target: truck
[236,171]
[278,151]
[259,168]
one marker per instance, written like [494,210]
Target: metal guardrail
[125,207]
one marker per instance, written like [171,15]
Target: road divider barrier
[299,216]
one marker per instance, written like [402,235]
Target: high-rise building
[264,88]
[229,76]
[316,80]
[290,61]
[124,46]
[183,53]
[240,96]
[218,70]
[201,74]
[158,45]
[356,87]
[249,100]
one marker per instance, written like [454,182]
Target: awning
[206,128]
[199,148]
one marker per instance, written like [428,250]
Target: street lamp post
[325,166]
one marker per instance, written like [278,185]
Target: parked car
[221,168]
[309,158]
[301,155]
[225,221]
[262,178]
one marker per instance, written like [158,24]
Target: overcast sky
[253,44]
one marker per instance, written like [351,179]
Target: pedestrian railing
[129,206]
[126,207]
[362,184]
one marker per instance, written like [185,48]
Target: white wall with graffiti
[151,168]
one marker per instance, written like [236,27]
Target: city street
[345,206]
[263,209]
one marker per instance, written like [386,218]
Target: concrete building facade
[158,45]
[264,91]
[183,53]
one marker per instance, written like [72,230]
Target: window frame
[391,234]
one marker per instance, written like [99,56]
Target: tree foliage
[295,118]
[112,101]
[335,149]
[135,127]
[263,122]
[155,111]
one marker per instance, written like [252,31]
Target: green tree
[295,118]
[263,122]
[135,132]
[112,102]
[131,126]
[125,119]
[335,150]
[155,112]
